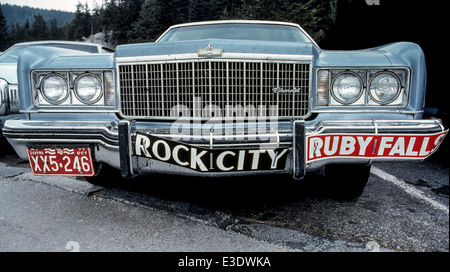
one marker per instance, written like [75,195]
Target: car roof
[235,22]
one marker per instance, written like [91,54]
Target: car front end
[222,107]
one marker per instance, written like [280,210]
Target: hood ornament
[210,51]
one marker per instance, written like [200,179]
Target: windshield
[11,55]
[258,32]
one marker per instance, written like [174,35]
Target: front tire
[347,180]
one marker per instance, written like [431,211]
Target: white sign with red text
[372,146]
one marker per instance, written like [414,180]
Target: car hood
[394,54]
[228,46]
[8,71]
[386,55]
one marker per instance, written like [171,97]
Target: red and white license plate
[61,161]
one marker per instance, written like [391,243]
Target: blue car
[9,95]
[224,98]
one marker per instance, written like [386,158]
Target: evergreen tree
[96,20]
[55,32]
[129,12]
[39,30]
[21,33]
[150,22]
[4,35]
[81,25]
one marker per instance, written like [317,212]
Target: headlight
[88,88]
[54,89]
[346,87]
[384,87]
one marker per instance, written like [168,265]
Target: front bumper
[293,147]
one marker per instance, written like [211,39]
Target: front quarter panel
[410,55]
[395,55]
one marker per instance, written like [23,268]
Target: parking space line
[409,189]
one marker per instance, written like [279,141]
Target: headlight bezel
[365,100]
[106,99]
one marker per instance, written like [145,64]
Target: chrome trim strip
[69,111]
[103,132]
[332,109]
[377,126]
[226,56]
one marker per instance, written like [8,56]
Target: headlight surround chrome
[54,88]
[92,88]
[381,87]
[347,87]
[88,88]
[384,87]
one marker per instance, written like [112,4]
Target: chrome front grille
[214,88]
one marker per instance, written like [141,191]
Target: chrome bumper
[101,136]
[118,143]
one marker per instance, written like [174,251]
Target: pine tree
[149,23]
[81,26]
[4,35]
[129,12]
[55,32]
[39,30]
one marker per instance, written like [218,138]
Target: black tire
[105,175]
[347,180]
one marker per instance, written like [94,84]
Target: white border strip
[409,189]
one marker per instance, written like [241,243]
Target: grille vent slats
[214,89]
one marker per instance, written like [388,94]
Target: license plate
[61,161]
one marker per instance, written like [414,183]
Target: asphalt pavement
[404,208]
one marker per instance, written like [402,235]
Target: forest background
[335,24]
[128,21]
